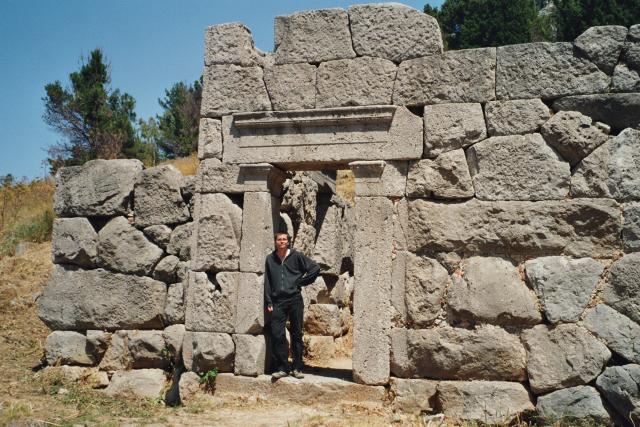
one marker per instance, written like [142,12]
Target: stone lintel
[262,177]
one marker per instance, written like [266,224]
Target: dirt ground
[35,398]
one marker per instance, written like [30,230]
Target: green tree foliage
[572,17]
[481,23]
[94,120]
[179,122]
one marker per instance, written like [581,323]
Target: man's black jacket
[283,280]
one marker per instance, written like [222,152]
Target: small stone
[67,348]
[342,290]
[230,44]
[426,282]
[158,234]
[517,117]
[165,270]
[145,383]
[147,349]
[117,356]
[315,293]
[180,241]
[631,227]
[582,402]
[291,86]
[251,352]
[231,88]
[173,336]
[203,351]
[174,308]
[157,197]
[74,241]
[449,127]
[414,396]
[445,177]
[189,386]
[623,292]
[323,319]
[210,139]
[625,79]
[602,45]
[618,331]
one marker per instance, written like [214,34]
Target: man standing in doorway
[286,271]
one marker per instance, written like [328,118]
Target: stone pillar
[373,265]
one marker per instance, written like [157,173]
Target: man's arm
[267,287]
[311,268]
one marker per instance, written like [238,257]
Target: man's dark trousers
[291,308]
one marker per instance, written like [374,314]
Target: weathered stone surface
[250,309]
[491,290]
[455,76]
[174,308]
[602,45]
[612,170]
[372,289]
[123,248]
[358,81]
[581,402]
[486,353]
[448,127]
[117,356]
[491,402]
[631,227]
[260,216]
[67,348]
[79,374]
[393,31]
[98,299]
[74,241]
[631,50]
[97,343]
[413,396]
[545,70]
[165,270]
[445,177]
[315,293]
[625,79]
[262,177]
[425,284]
[211,307]
[342,290]
[157,196]
[401,365]
[158,234]
[336,135]
[379,178]
[230,44]
[174,336]
[619,110]
[291,86]
[180,241]
[189,386]
[573,135]
[145,383]
[146,349]
[517,167]
[313,36]
[578,227]
[97,188]
[620,385]
[251,354]
[203,351]
[323,319]
[398,288]
[564,285]
[563,356]
[318,347]
[328,247]
[231,88]
[517,117]
[210,139]
[216,177]
[217,230]
[623,292]
[617,330]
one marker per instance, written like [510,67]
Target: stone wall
[494,234]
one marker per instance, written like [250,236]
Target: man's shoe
[297,374]
[278,374]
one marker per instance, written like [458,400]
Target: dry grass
[346,185]
[186,165]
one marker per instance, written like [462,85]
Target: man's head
[281,240]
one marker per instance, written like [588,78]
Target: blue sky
[151,44]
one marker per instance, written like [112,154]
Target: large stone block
[98,299]
[117,356]
[517,117]
[123,248]
[174,336]
[174,310]
[139,383]
[617,330]
[452,126]
[203,351]
[74,241]
[216,233]
[295,139]
[380,178]
[517,167]
[147,349]
[631,50]
[231,88]
[401,365]
[564,356]
[491,290]
[602,45]
[216,177]
[426,282]
[166,269]
[323,319]
[581,227]
[97,188]
[358,81]
[486,353]
[620,385]
[180,241]
[545,70]
[623,292]
[575,403]
[625,79]
[393,31]
[211,307]
[564,285]
[631,227]
[372,290]
[68,348]
[313,36]
[491,402]
[612,170]
[260,217]
[291,86]
[158,199]
[210,139]
[618,110]
[251,355]
[573,135]
[454,76]
[230,44]
[445,177]
[414,396]
[250,310]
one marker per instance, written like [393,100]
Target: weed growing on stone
[209,379]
